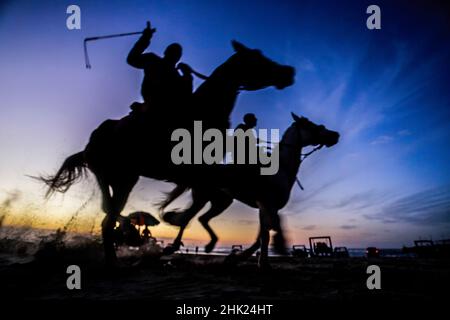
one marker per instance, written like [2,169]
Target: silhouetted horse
[118,161]
[268,193]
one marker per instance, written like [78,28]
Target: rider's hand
[148,31]
[185,68]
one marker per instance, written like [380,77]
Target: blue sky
[386,91]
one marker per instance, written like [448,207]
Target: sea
[20,245]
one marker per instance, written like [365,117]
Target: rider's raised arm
[136,57]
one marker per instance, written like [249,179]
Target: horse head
[253,71]
[311,134]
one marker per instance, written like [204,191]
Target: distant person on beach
[146,234]
[130,233]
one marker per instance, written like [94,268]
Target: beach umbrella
[143,218]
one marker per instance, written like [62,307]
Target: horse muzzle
[332,139]
[286,77]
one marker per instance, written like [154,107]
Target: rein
[306,155]
[302,157]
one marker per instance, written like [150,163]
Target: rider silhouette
[249,123]
[163,86]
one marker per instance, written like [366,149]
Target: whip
[116,35]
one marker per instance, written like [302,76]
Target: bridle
[303,156]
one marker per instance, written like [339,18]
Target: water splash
[7,203]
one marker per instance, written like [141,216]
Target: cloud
[348,227]
[360,201]
[306,65]
[247,222]
[308,198]
[404,133]
[382,140]
[428,207]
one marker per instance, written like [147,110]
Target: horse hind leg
[233,258]
[115,204]
[218,205]
[108,222]
[106,196]
[199,200]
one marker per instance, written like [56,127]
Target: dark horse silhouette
[118,161]
[268,193]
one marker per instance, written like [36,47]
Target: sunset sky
[386,91]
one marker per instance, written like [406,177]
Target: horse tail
[171,196]
[72,170]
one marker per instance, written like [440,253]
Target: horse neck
[217,96]
[290,150]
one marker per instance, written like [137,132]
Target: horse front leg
[279,242]
[233,258]
[182,218]
[175,246]
[265,215]
[218,205]
[247,253]
[199,200]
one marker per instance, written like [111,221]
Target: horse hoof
[169,250]
[231,259]
[210,246]
[279,245]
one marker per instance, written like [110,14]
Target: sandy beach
[41,275]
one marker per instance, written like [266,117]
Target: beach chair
[299,251]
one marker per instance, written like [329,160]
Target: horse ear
[237,46]
[295,117]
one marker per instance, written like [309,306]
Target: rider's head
[173,53]
[250,120]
